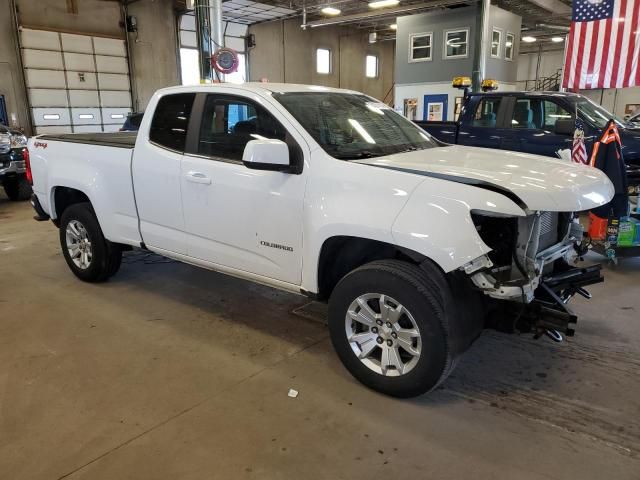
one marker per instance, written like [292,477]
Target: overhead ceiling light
[528,39]
[393,26]
[331,11]
[383,3]
[557,39]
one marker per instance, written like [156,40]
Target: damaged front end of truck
[530,274]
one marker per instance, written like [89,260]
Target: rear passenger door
[533,122]
[156,172]
[483,127]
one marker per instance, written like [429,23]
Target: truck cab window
[228,124]
[487,112]
[552,113]
[523,113]
[170,121]
[537,114]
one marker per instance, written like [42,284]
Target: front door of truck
[243,219]
[533,127]
[156,173]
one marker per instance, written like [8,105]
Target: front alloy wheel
[383,334]
[389,324]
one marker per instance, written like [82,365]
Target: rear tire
[401,300]
[17,188]
[90,256]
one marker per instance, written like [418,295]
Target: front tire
[17,188]
[389,324]
[90,256]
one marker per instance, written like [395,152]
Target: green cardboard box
[627,233]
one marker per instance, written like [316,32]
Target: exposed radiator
[548,229]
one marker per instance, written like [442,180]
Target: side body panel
[437,222]
[426,215]
[102,173]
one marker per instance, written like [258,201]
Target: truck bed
[115,139]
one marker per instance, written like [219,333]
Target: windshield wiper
[355,155]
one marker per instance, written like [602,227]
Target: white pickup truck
[416,245]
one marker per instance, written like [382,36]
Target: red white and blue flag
[603,50]
[579,150]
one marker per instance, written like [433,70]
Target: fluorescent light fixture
[331,11]
[393,26]
[528,39]
[117,116]
[557,39]
[86,116]
[383,3]
[51,116]
[361,131]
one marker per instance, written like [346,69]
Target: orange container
[598,227]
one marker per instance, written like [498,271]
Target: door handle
[197,177]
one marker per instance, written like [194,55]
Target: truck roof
[526,93]
[256,87]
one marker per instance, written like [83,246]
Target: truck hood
[533,181]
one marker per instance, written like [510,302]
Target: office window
[496,40]
[509,45]
[323,60]
[456,43]
[371,66]
[420,47]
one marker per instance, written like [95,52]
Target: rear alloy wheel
[78,244]
[389,324]
[90,256]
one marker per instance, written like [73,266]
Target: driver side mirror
[266,155]
[565,126]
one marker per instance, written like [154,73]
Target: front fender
[436,221]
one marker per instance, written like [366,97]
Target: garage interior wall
[11,82]
[153,49]
[286,53]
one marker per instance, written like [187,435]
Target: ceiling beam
[376,14]
[553,6]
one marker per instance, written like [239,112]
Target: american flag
[579,151]
[604,45]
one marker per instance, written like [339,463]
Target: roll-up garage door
[76,83]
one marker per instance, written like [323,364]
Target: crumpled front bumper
[549,310]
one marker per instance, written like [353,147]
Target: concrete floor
[170,372]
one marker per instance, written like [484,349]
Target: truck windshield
[350,126]
[596,115]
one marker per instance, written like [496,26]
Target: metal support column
[481,42]
[217,34]
[203,29]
